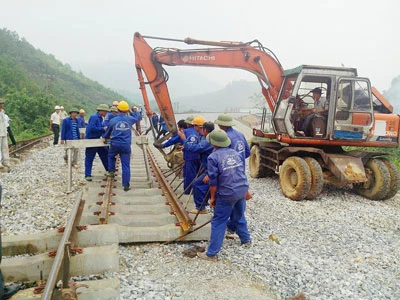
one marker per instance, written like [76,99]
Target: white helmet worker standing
[55,123]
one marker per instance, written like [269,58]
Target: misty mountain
[122,77]
[232,97]
[393,94]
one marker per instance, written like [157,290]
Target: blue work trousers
[200,190]
[190,169]
[90,153]
[124,151]
[223,210]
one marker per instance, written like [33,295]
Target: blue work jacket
[203,148]
[95,127]
[238,143]
[81,122]
[227,172]
[120,129]
[69,130]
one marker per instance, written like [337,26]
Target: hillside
[33,82]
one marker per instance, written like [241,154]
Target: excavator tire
[295,178]
[257,170]
[394,178]
[378,184]
[317,178]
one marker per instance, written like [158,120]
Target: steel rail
[60,267]
[106,201]
[181,214]
[21,145]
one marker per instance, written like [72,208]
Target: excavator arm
[145,62]
[252,57]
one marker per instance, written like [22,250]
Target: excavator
[307,147]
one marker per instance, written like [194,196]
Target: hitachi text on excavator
[307,147]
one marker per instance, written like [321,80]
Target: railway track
[22,148]
[103,217]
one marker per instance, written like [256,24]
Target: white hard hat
[61,107]
[57,107]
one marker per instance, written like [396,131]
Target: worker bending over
[204,149]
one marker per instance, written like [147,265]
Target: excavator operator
[318,111]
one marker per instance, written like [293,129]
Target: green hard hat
[218,138]
[189,120]
[74,110]
[113,109]
[103,107]
[224,120]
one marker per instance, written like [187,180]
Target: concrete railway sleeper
[103,217]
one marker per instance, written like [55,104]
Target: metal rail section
[181,214]
[60,268]
[106,201]
[22,145]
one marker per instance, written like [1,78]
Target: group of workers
[214,172]
[113,124]
[214,162]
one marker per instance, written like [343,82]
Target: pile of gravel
[340,246]
[34,198]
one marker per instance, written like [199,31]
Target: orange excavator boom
[251,56]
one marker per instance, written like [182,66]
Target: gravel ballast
[339,246]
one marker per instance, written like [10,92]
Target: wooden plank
[85,143]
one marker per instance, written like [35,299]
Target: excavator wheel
[295,178]
[394,178]
[317,178]
[378,181]
[256,168]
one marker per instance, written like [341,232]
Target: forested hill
[33,82]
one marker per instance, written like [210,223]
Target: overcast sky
[361,34]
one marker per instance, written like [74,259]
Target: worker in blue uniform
[228,193]
[238,140]
[154,124]
[70,131]
[203,148]
[162,129]
[81,119]
[94,130]
[175,139]
[119,133]
[81,123]
[192,160]
[238,143]
[111,114]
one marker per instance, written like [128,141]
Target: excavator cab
[343,110]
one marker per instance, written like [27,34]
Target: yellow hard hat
[198,120]
[81,111]
[123,106]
